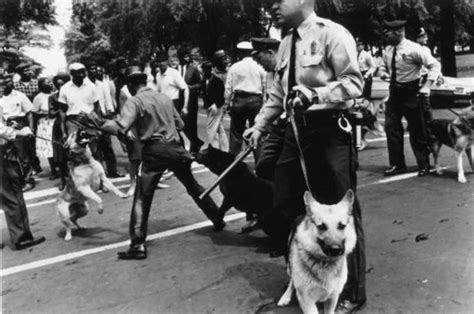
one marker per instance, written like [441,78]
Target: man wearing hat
[157,122]
[17,111]
[244,91]
[402,64]
[78,96]
[265,51]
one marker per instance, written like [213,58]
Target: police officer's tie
[291,73]
[393,77]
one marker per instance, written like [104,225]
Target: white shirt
[15,105]
[41,102]
[78,98]
[366,62]
[170,83]
[247,76]
[105,99]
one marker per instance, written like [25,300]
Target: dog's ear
[309,200]
[348,200]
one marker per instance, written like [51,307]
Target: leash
[461,117]
[47,139]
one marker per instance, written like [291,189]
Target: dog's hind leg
[435,150]
[79,210]
[470,155]
[285,299]
[307,304]
[65,216]
[88,193]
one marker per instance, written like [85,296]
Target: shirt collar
[306,24]
[142,89]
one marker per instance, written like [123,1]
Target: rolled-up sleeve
[433,65]
[272,108]
[342,56]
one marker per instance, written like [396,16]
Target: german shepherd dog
[241,188]
[86,177]
[317,254]
[457,134]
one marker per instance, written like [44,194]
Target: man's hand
[26,131]
[383,76]
[131,136]
[184,112]
[253,135]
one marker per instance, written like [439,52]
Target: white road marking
[69,256]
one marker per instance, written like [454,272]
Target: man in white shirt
[244,90]
[170,82]
[17,111]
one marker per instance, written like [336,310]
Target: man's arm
[434,68]
[124,122]
[228,91]
[382,71]
[342,55]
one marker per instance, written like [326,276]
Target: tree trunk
[448,57]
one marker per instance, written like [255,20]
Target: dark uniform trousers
[244,108]
[25,149]
[190,121]
[157,157]
[11,199]
[270,151]
[330,163]
[406,103]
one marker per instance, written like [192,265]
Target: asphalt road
[191,269]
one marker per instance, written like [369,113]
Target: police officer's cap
[264,43]
[244,45]
[421,32]
[394,25]
[134,72]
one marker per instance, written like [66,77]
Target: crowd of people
[295,98]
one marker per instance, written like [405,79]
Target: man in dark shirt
[156,121]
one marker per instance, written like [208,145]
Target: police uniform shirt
[365,60]
[152,113]
[326,61]
[170,83]
[78,98]
[246,76]
[409,60]
[15,105]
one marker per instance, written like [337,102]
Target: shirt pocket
[311,60]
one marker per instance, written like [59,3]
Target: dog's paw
[462,179]
[68,236]
[100,210]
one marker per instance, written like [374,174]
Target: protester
[157,122]
[192,77]
[44,129]
[244,91]
[59,129]
[403,61]
[17,111]
[319,63]
[213,96]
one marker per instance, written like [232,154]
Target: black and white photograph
[237,156]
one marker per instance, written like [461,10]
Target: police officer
[156,121]
[403,61]
[11,194]
[317,59]
[265,51]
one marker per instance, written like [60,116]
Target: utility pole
[448,56]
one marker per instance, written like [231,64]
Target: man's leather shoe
[29,243]
[393,170]
[28,186]
[134,252]
[346,306]
[250,226]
